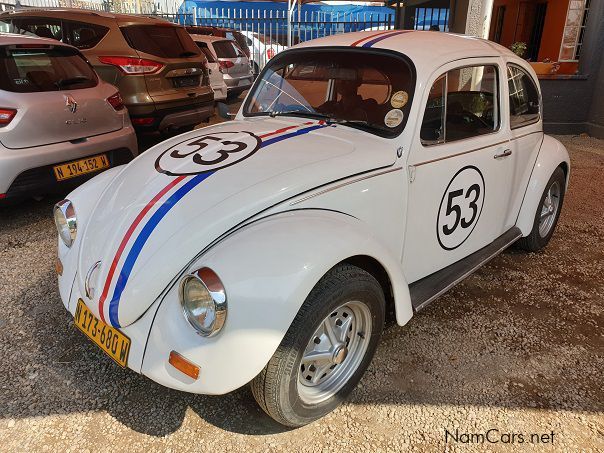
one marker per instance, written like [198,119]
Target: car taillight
[270,53]
[146,121]
[133,65]
[225,65]
[116,101]
[6,116]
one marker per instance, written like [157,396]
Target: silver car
[59,123]
[234,64]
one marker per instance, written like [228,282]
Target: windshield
[368,89]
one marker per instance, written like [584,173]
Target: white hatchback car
[262,49]
[59,122]
[361,175]
[217,82]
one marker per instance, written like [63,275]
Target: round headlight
[203,300]
[65,220]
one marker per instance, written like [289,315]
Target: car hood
[177,197]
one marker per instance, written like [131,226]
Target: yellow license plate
[115,344]
[81,167]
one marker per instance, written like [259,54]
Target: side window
[39,26]
[463,103]
[84,36]
[524,98]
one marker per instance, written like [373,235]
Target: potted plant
[519,48]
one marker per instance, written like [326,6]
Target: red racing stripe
[122,246]
[285,129]
[356,43]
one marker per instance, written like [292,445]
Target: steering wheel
[470,118]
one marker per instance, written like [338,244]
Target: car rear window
[163,41]
[227,49]
[50,68]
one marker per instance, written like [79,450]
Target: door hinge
[411,171]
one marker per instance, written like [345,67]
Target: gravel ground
[518,348]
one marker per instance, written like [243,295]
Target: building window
[499,24]
[574,29]
[432,19]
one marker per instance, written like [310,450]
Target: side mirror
[223,111]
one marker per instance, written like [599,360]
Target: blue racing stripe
[382,37]
[142,239]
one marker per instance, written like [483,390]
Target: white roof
[427,49]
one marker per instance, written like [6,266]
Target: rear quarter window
[27,70]
[206,51]
[84,36]
[164,41]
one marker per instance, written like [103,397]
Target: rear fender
[552,155]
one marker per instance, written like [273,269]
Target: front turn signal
[183,365]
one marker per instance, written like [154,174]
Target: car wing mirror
[223,111]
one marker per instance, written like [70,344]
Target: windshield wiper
[328,118]
[308,114]
[71,81]
[187,53]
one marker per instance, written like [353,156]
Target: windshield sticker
[399,99]
[394,118]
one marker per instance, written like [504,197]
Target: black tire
[276,387]
[535,241]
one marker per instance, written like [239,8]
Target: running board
[429,288]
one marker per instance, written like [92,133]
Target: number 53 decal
[208,152]
[460,208]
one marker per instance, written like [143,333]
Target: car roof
[7,39]
[83,15]
[427,49]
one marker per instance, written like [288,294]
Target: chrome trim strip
[475,149]
[352,181]
[470,271]
[460,154]
[524,135]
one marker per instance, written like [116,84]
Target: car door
[460,168]
[526,129]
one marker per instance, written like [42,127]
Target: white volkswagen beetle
[364,173]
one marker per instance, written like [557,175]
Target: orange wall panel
[517,28]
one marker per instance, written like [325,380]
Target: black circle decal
[460,208]
[208,152]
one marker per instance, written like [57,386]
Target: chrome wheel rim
[334,352]
[549,209]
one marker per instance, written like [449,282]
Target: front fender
[551,155]
[268,268]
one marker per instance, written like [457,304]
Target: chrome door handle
[504,153]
